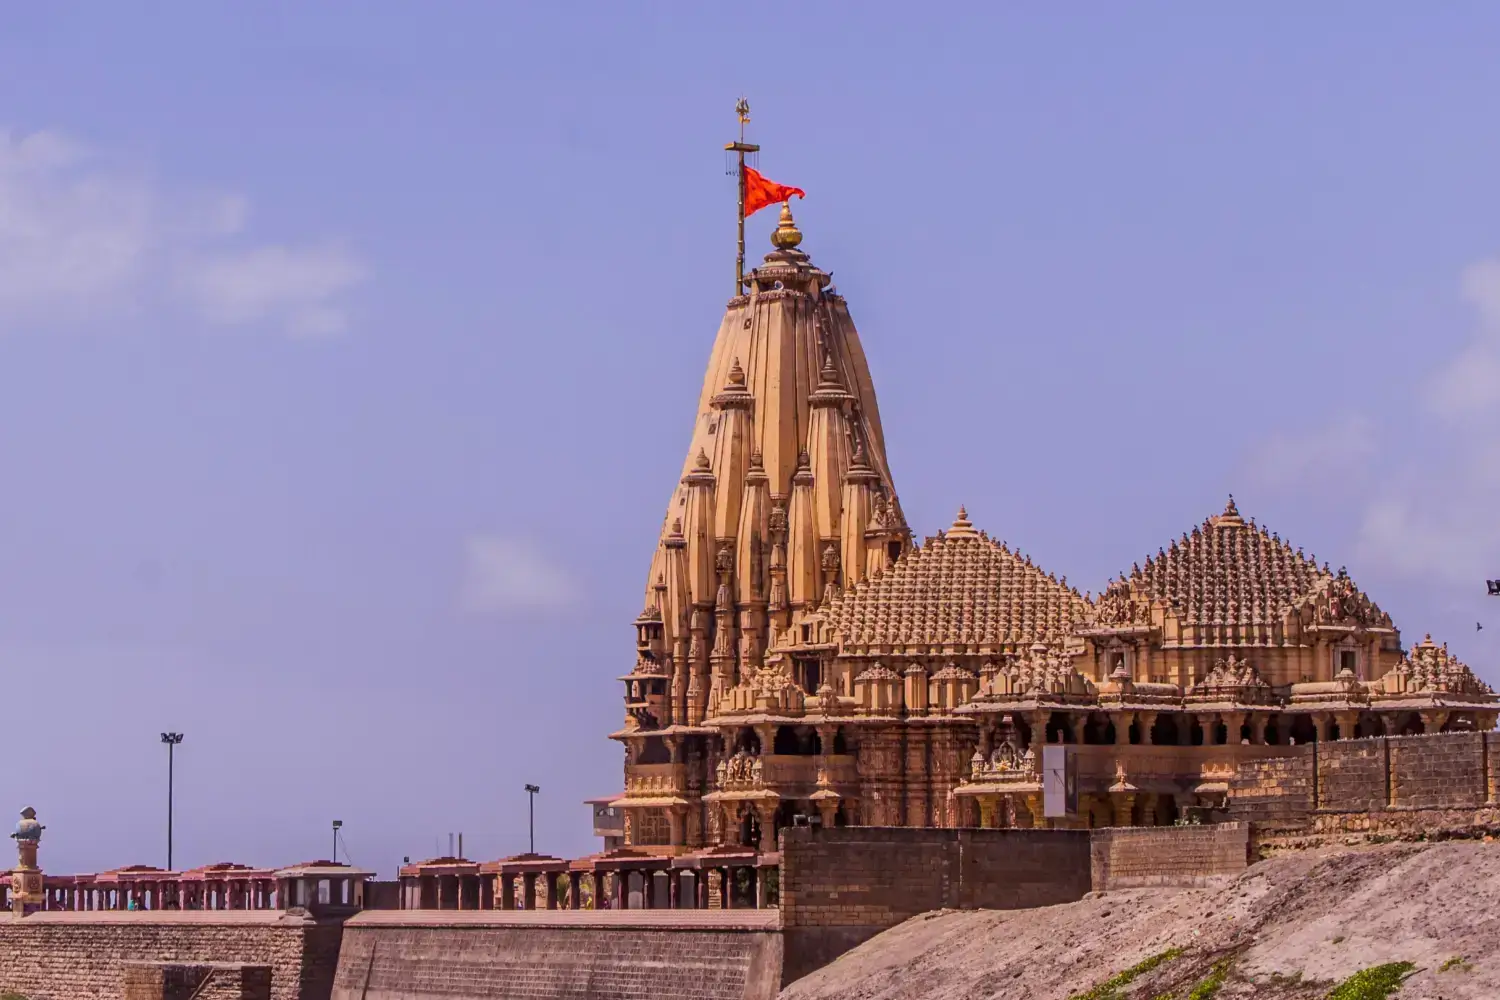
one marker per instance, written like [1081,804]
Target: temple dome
[961,591]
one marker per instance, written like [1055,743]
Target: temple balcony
[793,776]
[655,780]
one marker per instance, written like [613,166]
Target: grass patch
[1209,986]
[1111,987]
[1456,963]
[1374,983]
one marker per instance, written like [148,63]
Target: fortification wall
[840,887]
[1139,857]
[1397,786]
[600,955]
[83,956]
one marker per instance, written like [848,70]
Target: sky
[348,355]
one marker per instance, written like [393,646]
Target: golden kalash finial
[787,235]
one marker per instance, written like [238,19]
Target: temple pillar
[762,888]
[765,814]
[1147,722]
[1037,808]
[1209,723]
[828,811]
[1037,721]
[621,886]
[575,891]
[987,810]
[1124,807]
[552,890]
[1079,721]
[507,892]
[1258,723]
[1433,721]
[1233,723]
[528,890]
[1322,722]
[1122,721]
[1148,809]
[675,818]
[1348,722]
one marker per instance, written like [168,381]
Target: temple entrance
[750,830]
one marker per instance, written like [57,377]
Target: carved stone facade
[800,660]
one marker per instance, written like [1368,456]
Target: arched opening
[1302,729]
[1410,725]
[1164,730]
[1096,730]
[840,744]
[1057,728]
[1273,730]
[1133,734]
[1166,810]
[1195,734]
[747,741]
[1221,734]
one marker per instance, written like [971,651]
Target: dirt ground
[1294,926]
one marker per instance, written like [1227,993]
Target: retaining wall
[1395,786]
[83,956]
[842,886]
[557,954]
[1141,857]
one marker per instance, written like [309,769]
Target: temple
[800,661]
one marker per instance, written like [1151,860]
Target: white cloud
[1421,487]
[503,574]
[1435,516]
[1469,385]
[1339,450]
[83,236]
[251,285]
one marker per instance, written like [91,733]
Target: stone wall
[842,886]
[176,981]
[1138,857]
[599,955]
[1398,786]
[81,956]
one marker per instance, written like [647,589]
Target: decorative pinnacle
[962,526]
[787,236]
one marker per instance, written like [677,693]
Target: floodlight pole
[531,792]
[171,740]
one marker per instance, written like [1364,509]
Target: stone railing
[747,772]
[655,780]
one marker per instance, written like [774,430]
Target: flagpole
[742,110]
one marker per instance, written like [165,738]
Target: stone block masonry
[1142,857]
[1397,786]
[842,886]
[83,956]
[176,981]
[561,955]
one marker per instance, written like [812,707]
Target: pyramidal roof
[961,590]
[1230,572]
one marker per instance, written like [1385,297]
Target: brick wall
[176,981]
[842,886]
[1129,858]
[1396,786]
[82,956]
[601,955]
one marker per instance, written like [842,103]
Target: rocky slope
[1290,928]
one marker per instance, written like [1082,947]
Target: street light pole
[171,740]
[531,791]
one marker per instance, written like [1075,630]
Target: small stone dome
[28,828]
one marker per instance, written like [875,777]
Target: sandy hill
[1290,928]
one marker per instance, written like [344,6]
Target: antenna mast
[742,111]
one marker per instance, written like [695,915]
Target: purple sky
[348,355]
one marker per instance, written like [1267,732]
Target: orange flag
[760,192]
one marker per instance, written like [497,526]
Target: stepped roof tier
[960,592]
[1230,582]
